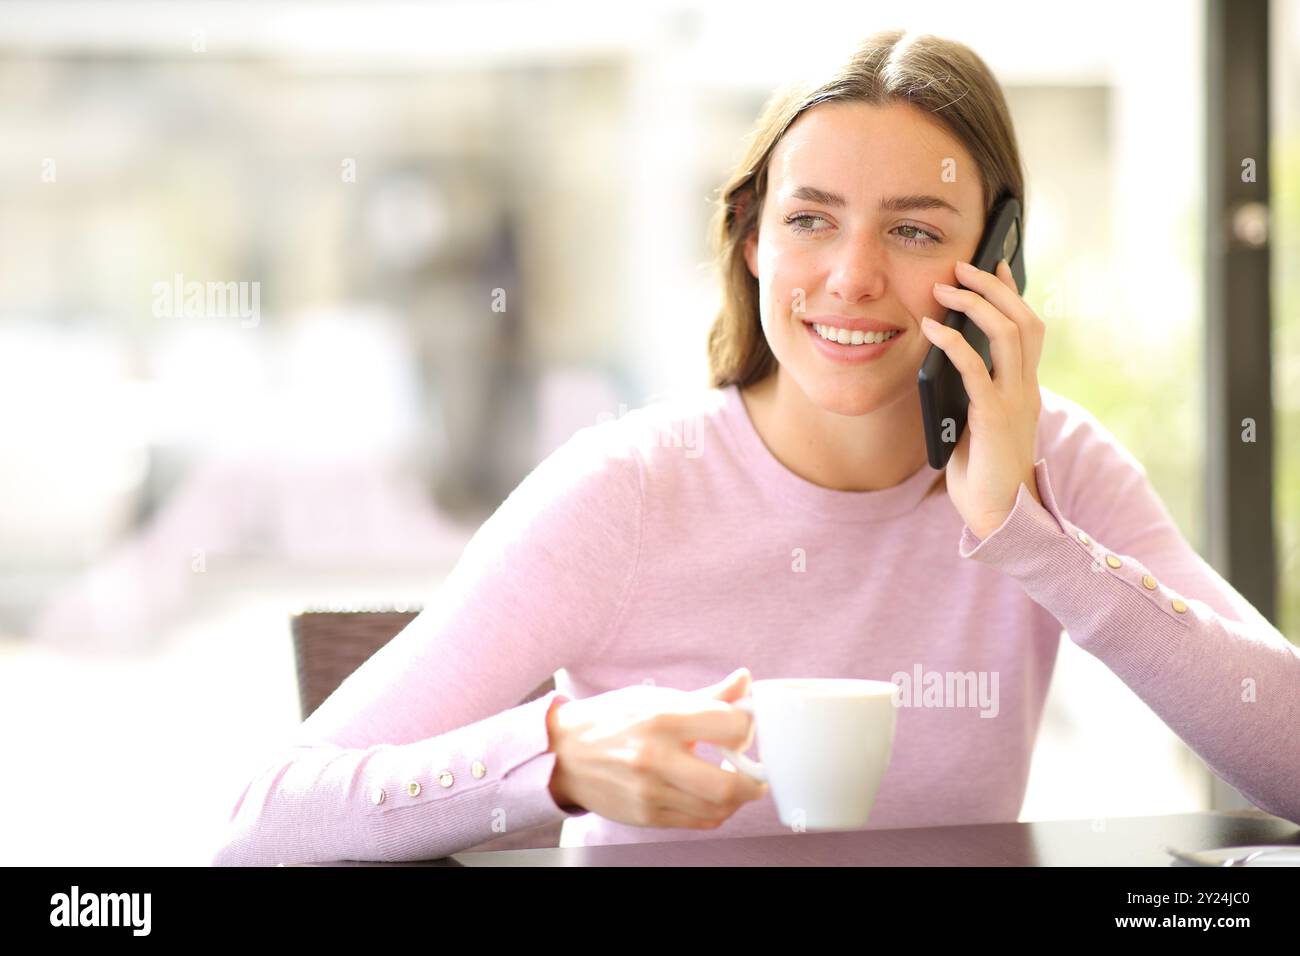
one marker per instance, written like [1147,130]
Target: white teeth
[845,337]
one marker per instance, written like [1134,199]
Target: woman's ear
[751,246]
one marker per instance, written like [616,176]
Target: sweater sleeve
[1126,586]
[424,750]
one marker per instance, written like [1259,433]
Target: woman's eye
[909,237]
[933,240]
[801,230]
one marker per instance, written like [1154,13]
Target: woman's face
[875,256]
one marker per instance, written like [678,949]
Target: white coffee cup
[825,744]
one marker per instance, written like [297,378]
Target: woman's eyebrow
[892,204]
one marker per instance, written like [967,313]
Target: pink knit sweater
[670,546]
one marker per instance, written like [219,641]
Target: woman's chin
[857,399]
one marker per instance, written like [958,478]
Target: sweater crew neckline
[786,488]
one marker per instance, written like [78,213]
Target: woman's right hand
[629,755]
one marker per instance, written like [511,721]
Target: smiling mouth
[844,337]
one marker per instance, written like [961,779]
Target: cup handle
[742,763]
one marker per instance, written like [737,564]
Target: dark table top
[1114,841]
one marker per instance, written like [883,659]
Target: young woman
[799,532]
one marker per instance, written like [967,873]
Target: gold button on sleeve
[1148,582]
[1084,538]
[445,778]
[478,769]
[413,788]
[1179,606]
[1113,561]
[377,795]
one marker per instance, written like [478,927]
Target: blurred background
[443,237]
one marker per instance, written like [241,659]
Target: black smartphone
[943,396]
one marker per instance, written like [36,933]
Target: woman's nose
[858,270]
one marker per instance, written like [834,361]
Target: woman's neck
[868,452]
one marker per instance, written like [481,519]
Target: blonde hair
[944,78]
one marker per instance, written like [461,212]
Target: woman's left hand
[996,451]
